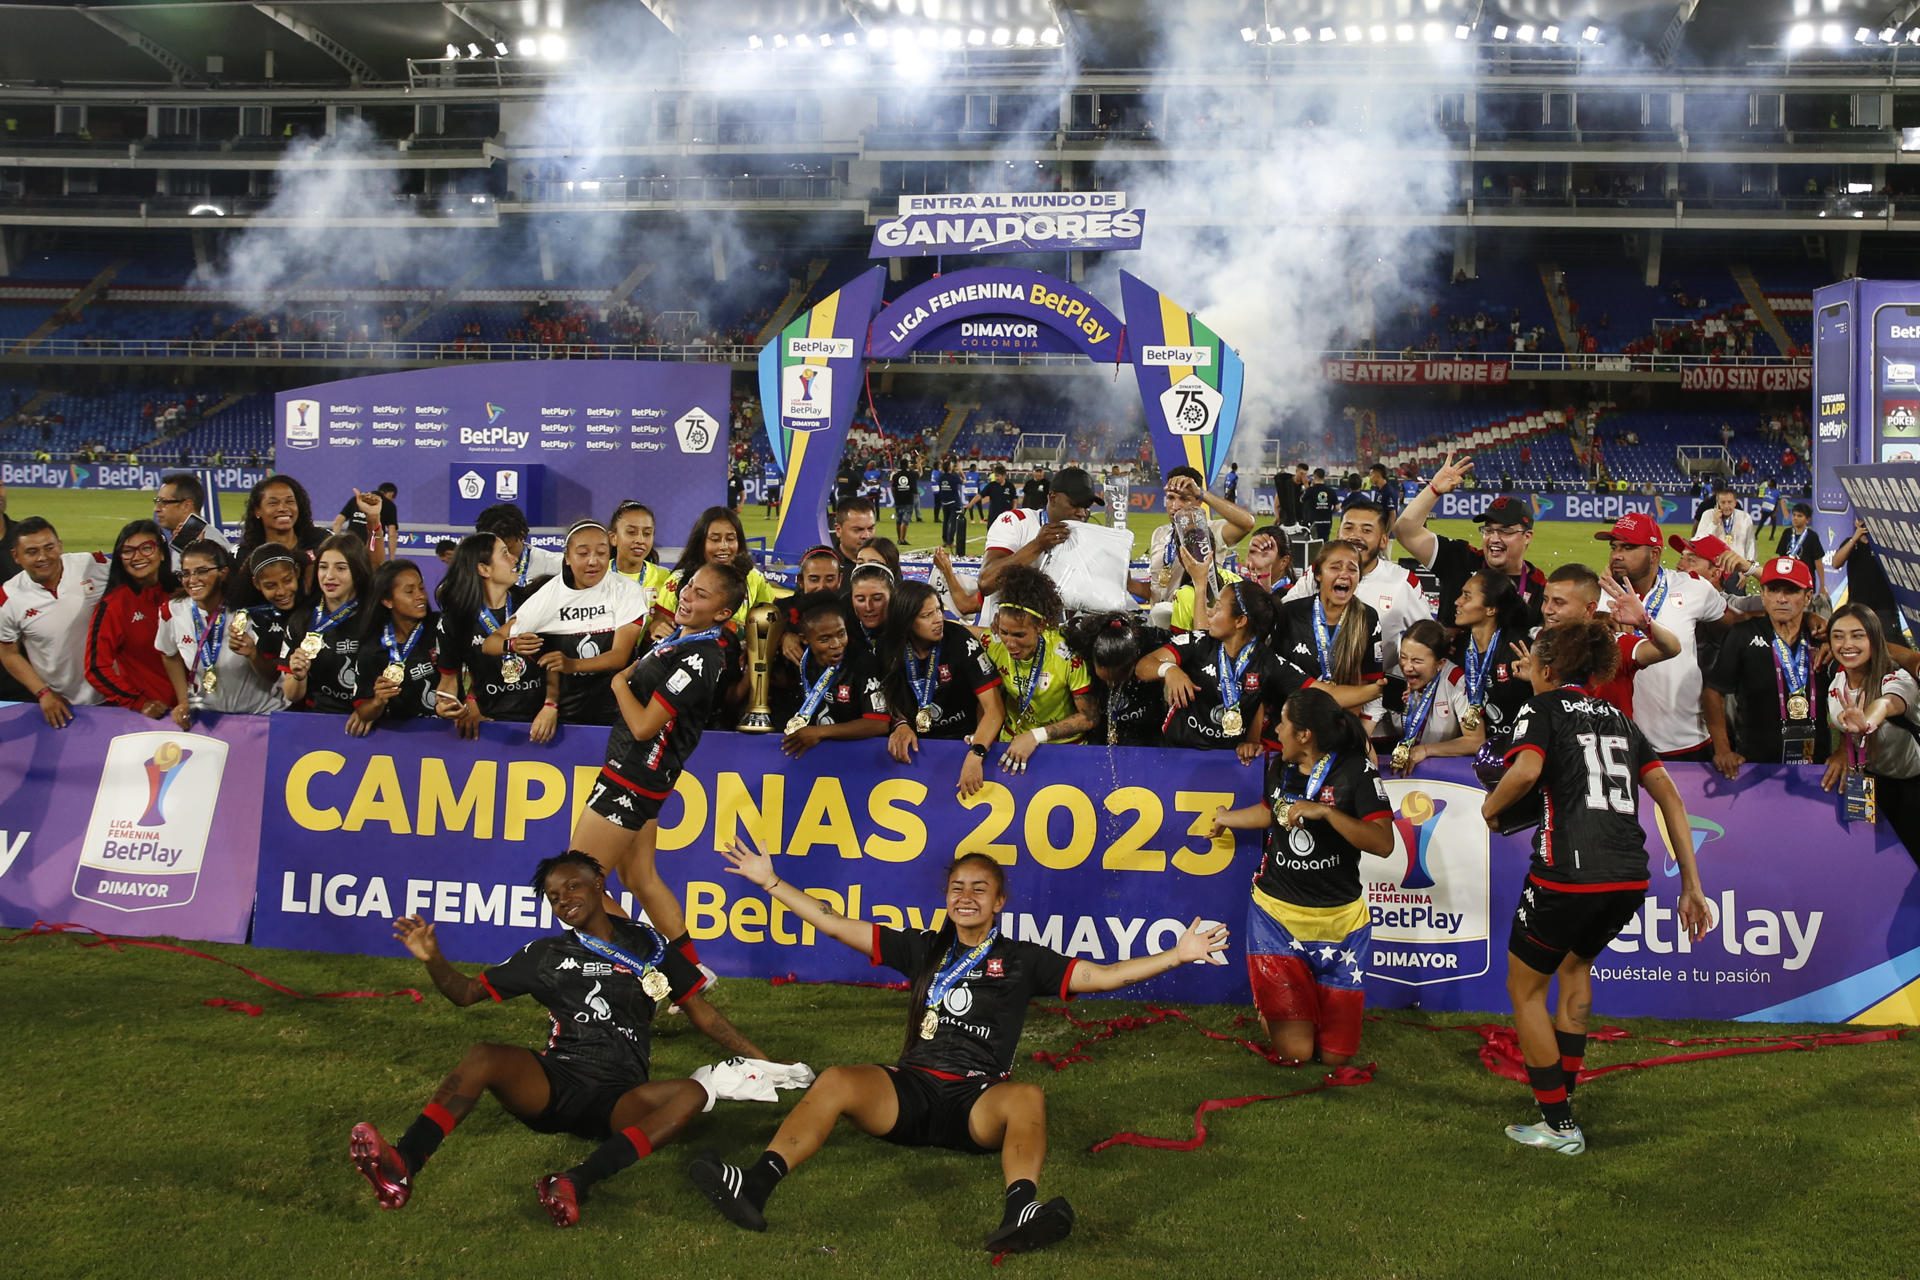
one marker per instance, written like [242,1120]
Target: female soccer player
[121,660]
[321,668]
[206,674]
[1269,561]
[1048,695]
[1876,767]
[1589,873]
[634,556]
[1217,680]
[476,599]
[870,592]
[665,700]
[585,623]
[1329,635]
[1493,622]
[395,669]
[718,537]
[938,682]
[1308,926]
[601,981]
[279,511]
[1132,710]
[260,632]
[838,697]
[950,1088]
[1432,709]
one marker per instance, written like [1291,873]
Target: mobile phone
[189,532]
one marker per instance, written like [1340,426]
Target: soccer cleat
[1038,1226]
[720,1183]
[380,1165]
[558,1198]
[1568,1142]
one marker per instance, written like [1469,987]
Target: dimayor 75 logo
[1429,898]
[147,838]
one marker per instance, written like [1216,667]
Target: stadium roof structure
[329,43]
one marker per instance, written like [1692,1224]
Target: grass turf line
[153,1136]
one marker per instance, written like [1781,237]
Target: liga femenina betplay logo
[147,838]
[1429,898]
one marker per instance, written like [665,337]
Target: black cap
[1507,510]
[1076,486]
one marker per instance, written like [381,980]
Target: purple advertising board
[589,433]
[1009,222]
[127,825]
[1108,853]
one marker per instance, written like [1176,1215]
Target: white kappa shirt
[1394,595]
[237,686]
[51,626]
[1743,540]
[1666,696]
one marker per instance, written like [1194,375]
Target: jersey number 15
[1609,780]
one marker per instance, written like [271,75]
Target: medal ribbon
[1657,596]
[620,955]
[922,686]
[1479,667]
[324,622]
[1317,778]
[1033,675]
[526,558]
[1797,541]
[951,970]
[1417,715]
[207,638]
[679,636]
[493,623]
[1231,672]
[1323,637]
[818,692]
[1790,669]
[394,652]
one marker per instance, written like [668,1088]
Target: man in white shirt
[1666,697]
[1730,523]
[44,617]
[508,523]
[1024,535]
[1391,590]
[181,497]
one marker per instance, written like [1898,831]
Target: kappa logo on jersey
[694,664]
[568,963]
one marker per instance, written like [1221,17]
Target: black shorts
[622,806]
[578,1104]
[933,1111]
[1551,924]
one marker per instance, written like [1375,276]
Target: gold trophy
[758,635]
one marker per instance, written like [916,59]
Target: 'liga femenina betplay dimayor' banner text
[131,829]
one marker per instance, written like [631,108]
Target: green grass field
[88,520]
[154,1136]
[151,1135]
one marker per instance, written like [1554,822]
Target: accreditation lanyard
[951,970]
[1479,666]
[817,693]
[208,636]
[1858,803]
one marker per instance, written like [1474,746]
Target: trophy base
[755,722]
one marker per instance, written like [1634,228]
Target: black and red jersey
[686,679]
[1592,760]
[1312,864]
[982,1014]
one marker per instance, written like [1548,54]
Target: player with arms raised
[601,981]
[1589,873]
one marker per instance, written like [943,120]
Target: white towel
[751,1080]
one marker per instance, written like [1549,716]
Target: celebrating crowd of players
[1570,690]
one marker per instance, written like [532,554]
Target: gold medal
[1232,723]
[1283,815]
[238,625]
[655,984]
[512,667]
[929,1024]
[798,723]
[394,672]
[312,644]
[1470,719]
[209,680]
[1403,756]
[923,721]
[1797,706]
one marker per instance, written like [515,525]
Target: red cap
[1635,529]
[1787,569]
[1707,548]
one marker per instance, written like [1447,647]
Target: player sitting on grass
[601,980]
[950,1088]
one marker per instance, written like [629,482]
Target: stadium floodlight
[1800,33]
[553,47]
[1913,36]
[200,210]
[528,46]
[1277,35]
[849,40]
[952,37]
[1301,35]
[453,51]
[1463,32]
[976,37]
[1888,35]
[1500,33]
[877,37]
[929,37]
[909,63]
[844,64]
[1862,35]
[1404,32]
[473,50]
[1326,34]
[1050,36]
[803,41]
[1377,33]
[1247,34]
[907,7]
[779,42]
[1591,35]
[1025,38]
[1353,35]
[1433,33]
[1525,33]
[1551,35]
[1002,37]
[500,48]
[1831,33]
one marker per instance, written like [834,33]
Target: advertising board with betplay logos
[568,439]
